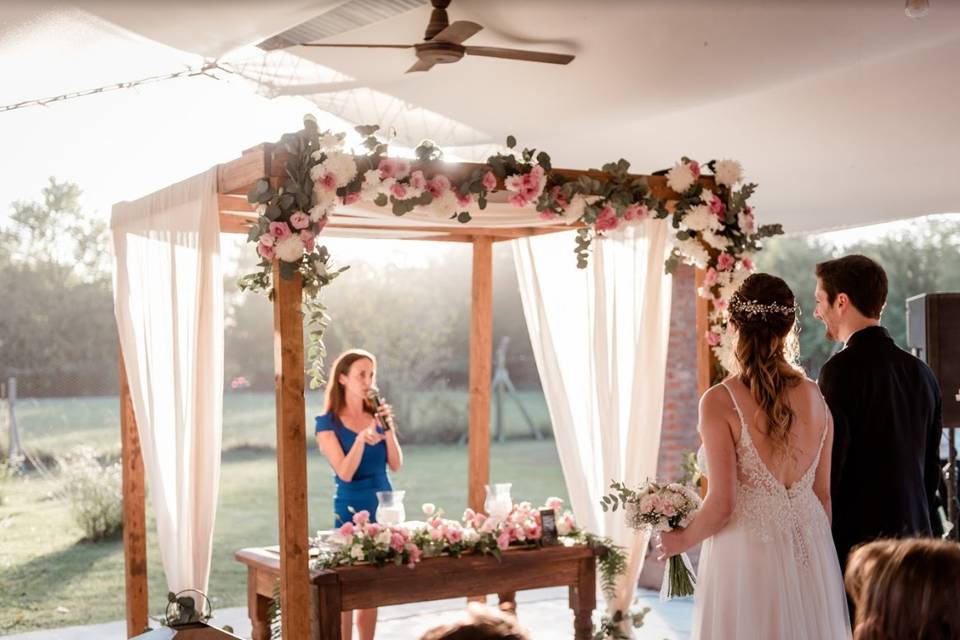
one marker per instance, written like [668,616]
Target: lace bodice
[766,507]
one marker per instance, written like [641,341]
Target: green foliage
[95,494]
[611,626]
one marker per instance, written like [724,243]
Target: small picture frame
[548,522]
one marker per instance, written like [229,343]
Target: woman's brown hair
[763,311]
[336,396]
[905,590]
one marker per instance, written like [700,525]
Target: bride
[768,566]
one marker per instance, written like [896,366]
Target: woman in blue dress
[352,436]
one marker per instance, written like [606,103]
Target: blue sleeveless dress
[360,494]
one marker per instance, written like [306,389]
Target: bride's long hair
[763,310]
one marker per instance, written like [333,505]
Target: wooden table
[366,587]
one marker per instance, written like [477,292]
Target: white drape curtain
[168,300]
[599,337]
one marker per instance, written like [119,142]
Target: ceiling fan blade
[358,46]
[520,54]
[421,65]
[457,32]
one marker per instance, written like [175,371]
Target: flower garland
[716,229]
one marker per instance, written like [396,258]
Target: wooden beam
[237,176]
[705,358]
[291,454]
[134,511]
[481,366]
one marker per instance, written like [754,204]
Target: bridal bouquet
[659,507]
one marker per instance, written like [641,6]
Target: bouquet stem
[678,578]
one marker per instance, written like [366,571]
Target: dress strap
[733,398]
[826,421]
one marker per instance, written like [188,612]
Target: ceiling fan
[443,44]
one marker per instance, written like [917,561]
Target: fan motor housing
[439,52]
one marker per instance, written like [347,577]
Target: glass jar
[498,502]
[390,507]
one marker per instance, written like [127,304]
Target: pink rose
[361,517]
[489,181]
[300,220]
[351,198]
[606,219]
[328,182]
[436,534]
[533,531]
[547,214]
[514,183]
[415,554]
[280,230]
[554,503]
[503,540]
[710,278]
[713,338]
[694,168]
[438,185]
[669,510]
[717,207]
[636,212]
[307,237]
[371,528]
[398,191]
[463,200]
[417,181]
[518,200]
[391,168]
[397,542]
[346,529]
[747,263]
[265,251]
[725,261]
[454,535]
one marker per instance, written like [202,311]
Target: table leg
[258,607]
[508,602]
[583,599]
[329,608]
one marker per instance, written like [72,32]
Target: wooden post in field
[134,511]
[705,359]
[481,365]
[291,454]
[13,450]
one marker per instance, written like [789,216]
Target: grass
[50,579]
[56,425]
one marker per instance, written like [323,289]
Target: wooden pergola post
[134,511]
[291,454]
[481,367]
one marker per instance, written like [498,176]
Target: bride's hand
[672,543]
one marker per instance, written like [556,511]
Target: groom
[886,411]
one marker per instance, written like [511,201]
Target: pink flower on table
[265,251]
[463,200]
[554,503]
[747,263]
[280,230]
[503,540]
[454,535]
[346,529]
[518,200]
[351,198]
[438,185]
[397,542]
[436,534]
[725,262]
[361,517]
[533,531]
[606,219]
[418,181]
[694,168]
[398,191]
[489,181]
[308,242]
[415,554]
[299,220]
[713,338]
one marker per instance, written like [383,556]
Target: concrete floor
[544,612]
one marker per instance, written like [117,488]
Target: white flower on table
[384,537]
[356,552]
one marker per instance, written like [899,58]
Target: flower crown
[752,308]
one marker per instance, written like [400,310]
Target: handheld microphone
[373,395]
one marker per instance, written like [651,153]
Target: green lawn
[54,426]
[43,566]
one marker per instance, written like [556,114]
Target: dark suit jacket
[887,426]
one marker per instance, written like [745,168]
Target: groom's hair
[862,279]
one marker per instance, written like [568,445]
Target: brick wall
[680,400]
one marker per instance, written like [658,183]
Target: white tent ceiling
[845,112]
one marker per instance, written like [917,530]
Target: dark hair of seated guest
[481,623]
[905,589]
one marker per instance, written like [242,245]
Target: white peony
[680,178]
[342,167]
[715,240]
[290,249]
[699,218]
[356,552]
[728,172]
[383,538]
[371,184]
[470,535]
[320,211]
[693,252]
[444,206]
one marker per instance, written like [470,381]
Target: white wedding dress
[772,572]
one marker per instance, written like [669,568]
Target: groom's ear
[842,301]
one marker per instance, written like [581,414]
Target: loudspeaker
[933,335]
